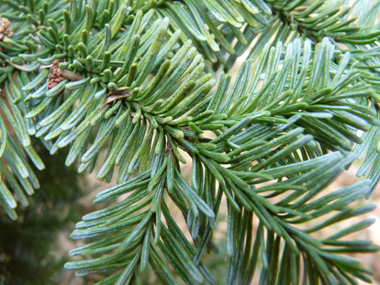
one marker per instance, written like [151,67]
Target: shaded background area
[30,248]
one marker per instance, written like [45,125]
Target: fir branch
[291,119]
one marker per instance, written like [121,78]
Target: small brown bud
[54,76]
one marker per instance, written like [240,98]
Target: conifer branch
[94,75]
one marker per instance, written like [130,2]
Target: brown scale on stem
[116,95]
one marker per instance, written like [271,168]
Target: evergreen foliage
[136,78]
